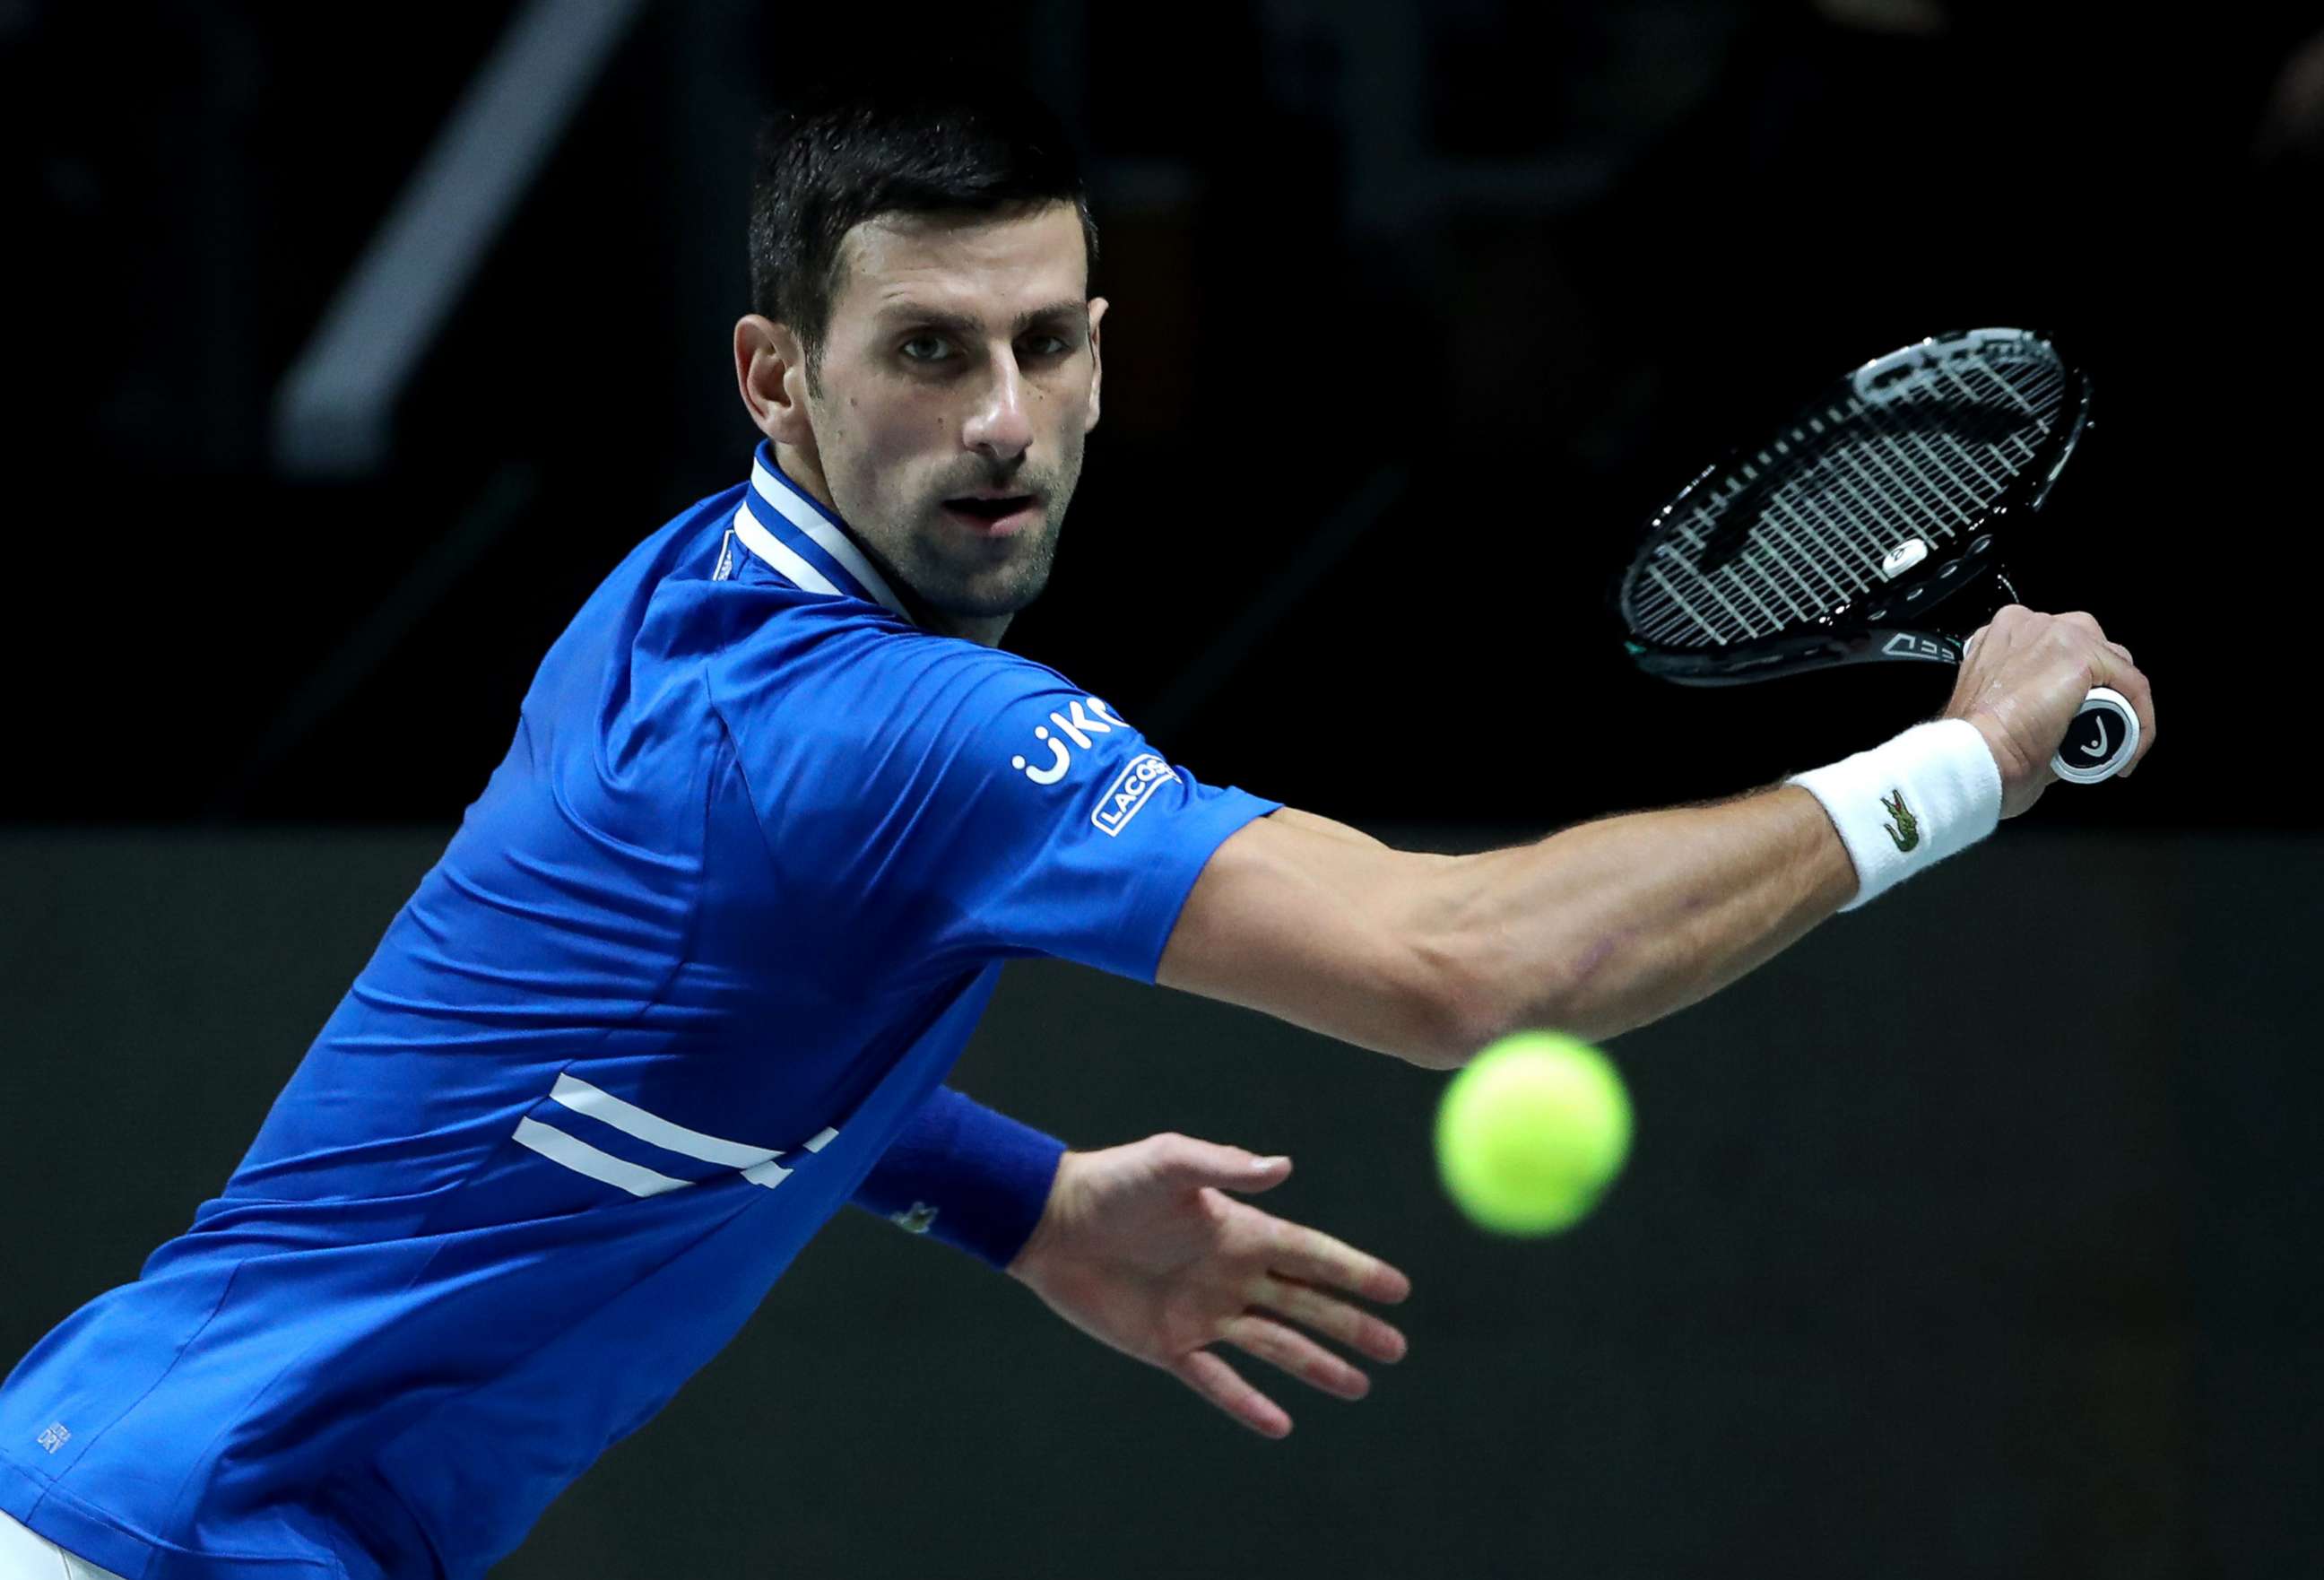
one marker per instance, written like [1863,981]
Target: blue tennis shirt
[718,928]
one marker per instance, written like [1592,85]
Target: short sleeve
[947,805]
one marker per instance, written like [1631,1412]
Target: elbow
[1465,1006]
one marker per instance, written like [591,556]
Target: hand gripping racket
[1853,535]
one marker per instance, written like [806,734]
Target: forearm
[1426,958]
[1613,924]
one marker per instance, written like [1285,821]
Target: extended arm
[1612,924]
[1595,929]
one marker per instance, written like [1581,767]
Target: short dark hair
[844,155]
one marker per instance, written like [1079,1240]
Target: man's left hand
[1141,1248]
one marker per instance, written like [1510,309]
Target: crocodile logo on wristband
[1906,829]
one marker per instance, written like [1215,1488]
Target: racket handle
[2103,737]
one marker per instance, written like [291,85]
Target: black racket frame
[1893,623]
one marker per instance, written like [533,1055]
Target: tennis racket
[1871,528]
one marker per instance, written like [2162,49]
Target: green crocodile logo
[1906,829]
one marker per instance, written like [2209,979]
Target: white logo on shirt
[1146,774]
[917,1219]
[1099,721]
[55,1437]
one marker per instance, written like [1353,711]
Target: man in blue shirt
[692,972]
[689,977]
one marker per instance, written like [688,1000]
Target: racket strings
[1925,459]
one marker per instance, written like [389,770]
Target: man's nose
[998,428]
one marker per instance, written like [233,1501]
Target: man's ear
[1097,307]
[770,374]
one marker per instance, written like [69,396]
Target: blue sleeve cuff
[961,1173]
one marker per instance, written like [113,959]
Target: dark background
[1418,311]
[1975,1235]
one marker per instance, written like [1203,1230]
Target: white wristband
[1931,791]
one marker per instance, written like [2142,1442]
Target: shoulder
[864,675]
[879,715]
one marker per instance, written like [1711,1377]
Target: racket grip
[2103,736]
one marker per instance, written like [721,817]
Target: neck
[805,468]
[985,633]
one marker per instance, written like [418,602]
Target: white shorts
[26,1554]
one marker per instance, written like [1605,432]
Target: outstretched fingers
[1312,1257]
[1295,1352]
[1335,1319]
[1219,1382]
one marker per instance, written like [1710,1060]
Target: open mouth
[995,518]
[990,510]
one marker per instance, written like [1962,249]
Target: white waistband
[27,1555]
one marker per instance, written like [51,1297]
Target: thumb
[1229,1168]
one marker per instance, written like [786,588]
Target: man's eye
[927,349]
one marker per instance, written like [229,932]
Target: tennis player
[692,972]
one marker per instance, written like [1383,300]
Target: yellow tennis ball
[1531,1132]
